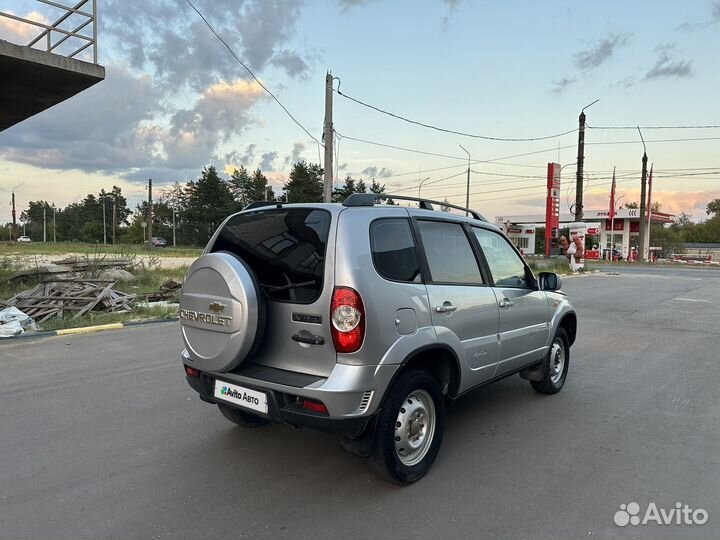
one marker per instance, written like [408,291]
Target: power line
[404,149]
[444,130]
[658,140]
[239,61]
[654,127]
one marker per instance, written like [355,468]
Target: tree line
[196,207]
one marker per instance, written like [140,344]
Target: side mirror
[549,281]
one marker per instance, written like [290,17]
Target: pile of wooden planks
[71,297]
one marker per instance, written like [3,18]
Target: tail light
[347,315]
[314,406]
[192,372]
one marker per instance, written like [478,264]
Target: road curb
[91,329]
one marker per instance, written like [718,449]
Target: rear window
[284,247]
[393,250]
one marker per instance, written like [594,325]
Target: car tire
[241,418]
[413,415]
[556,365]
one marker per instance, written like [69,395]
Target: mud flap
[535,373]
[362,445]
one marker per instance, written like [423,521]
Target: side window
[393,250]
[505,264]
[449,254]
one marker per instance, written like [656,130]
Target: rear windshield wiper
[272,288]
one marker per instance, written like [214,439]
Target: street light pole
[420,185]
[14,225]
[467,190]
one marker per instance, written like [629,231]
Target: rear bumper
[352,394]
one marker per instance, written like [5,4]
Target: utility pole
[642,248]
[467,190]
[104,223]
[14,225]
[54,226]
[44,223]
[114,218]
[173,223]
[328,139]
[150,213]
[580,164]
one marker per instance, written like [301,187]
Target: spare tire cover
[220,311]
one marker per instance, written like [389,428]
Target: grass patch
[62,249]
[148,279]
[559,266]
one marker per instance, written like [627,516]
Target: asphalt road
[101,438]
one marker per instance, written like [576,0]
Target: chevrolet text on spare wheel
[352,269]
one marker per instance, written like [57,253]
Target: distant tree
[656,206]
[248,188]
[713,208]
[347,189]
[209,201]
[445,207]
[305,183]
[375,187]
[634,205]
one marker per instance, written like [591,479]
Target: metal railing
[50,31]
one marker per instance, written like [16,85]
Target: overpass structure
[58,63]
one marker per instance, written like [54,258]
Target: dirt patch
[31,261]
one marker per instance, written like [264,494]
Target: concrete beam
[35,80]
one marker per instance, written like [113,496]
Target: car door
[523,308]
[463,305]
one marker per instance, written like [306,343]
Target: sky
[174,100]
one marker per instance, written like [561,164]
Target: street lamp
[421,183]
[14,225]
[467,191]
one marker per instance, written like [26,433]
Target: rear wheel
[556,365]
[241,418]
[410,428]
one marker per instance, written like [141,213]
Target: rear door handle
[306,337]
[447,307]
[506,303]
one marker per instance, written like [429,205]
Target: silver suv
[366,320]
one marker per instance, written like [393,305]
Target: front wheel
[556,365]
[410,428]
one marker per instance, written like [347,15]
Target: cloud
[292,62]
[373,172]
[452,4]
[714,18]
[666,67]
[268,160]
[296,155]
[18,32]
[221,112]
[673,202]
[343,167]
[121,126]
[173,94]
[562,85]
[349,4]
[171,41]
[600,52]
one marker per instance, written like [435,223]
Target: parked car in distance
[25,239]
[157,241]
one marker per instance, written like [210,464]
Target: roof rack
[369,199]
[259,204]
